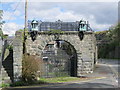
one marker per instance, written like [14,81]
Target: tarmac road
[115,67]
[104,76]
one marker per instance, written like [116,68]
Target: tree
[112,39]
[1,23]
[116,35]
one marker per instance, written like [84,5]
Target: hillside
[108,42]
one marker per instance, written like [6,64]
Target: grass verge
[59,79]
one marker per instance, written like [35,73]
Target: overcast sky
[101,15]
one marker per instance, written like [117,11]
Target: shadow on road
[92,86]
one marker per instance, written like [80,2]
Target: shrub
[19,83]
[4,85]
[10,47]
[32,68]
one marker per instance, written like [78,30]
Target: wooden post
[25,25]
[26,14]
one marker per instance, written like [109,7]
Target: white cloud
[69,16]
[104,12]
[43,13]
[99,15]
[10,28]
[53,14]
[96,26]
[99,27]
[8,16]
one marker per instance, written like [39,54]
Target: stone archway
[60,59]
[85,49]
[36,47]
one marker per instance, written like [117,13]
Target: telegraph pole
[25,28]
[26,3]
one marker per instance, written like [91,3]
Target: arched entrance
[60,59]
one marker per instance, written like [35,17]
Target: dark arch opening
[62,56]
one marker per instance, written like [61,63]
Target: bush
[4,85]
[19,83]
[111,37]
[32,68]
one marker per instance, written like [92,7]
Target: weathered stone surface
[85,48]
[17,56]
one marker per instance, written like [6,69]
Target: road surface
[105,76]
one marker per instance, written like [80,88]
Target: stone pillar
[17,56]
[79,63]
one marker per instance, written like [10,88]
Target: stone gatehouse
[80,53]
[86,50]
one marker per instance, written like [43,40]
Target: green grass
[58,79]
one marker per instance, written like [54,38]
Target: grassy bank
[43,81]
[59,79]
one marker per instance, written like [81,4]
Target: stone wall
[17,56]
[11,60]
[85,49]
[7,64]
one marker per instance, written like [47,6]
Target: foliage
[116,34]
[3,36]
[31,66]
[22,31]
[45,80]
[53,31]
[3,85]
[1,33]
[1,18]
[19,83]
[111,37]
[1,23]
[9,47]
